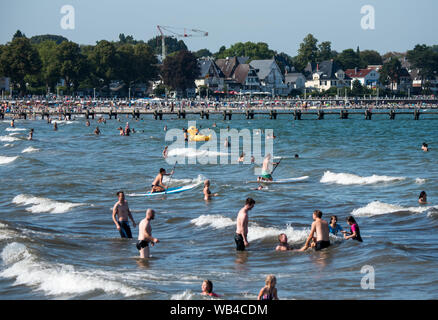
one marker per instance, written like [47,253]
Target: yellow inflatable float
[194,136]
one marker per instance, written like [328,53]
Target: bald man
[145,234]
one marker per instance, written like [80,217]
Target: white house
[367,77]
[295,80]
[270,76]
[325,75]
[210,75]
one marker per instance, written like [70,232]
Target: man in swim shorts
[321,228]
[145,234]
[157,184]
[121,213]
[266,172]
[242,225]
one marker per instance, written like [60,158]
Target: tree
[308,52]
[180,71]
[203,53]
[284,61]
[325,51]
[70,63]
[390,72]
[47,37]
[18,34]
[254,51]
[18,59]
[49,71]
[104,63]
[357,88]
[370,57]
[172,45]
[348,59]
[425,59]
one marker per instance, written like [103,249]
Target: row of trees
[41,61]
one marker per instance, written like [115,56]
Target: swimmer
[214,125]
[354,230]
[334,228]
[121,213]
[252,159]
[127,130]
[425,147]
[269,291]
[242,157]
[296,156]
[55,126]
[283,245]
[260,187]
[12,123]
[320,227]
[165,152]
[122,133]
[145,234]
[242,225]
[165,128]
[186,137]
[227,144]
[87,123]
[422,199]
[207,289]
[157,184]
[207,192]
[97,131]
[30,134]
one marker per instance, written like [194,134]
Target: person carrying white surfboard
[157,184]
[266,171]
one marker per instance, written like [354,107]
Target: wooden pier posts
[135,114]
[88,114]
[297,114]
[273,114]
[227,114]
[205,114]
[416,114]
[181,114]
[249,114]
[158,114]
[391,115]
[2,115]
[320,115]
[368,115]
[344,114]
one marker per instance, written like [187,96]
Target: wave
[378,208]
[420,181]
[56,279]
[349,179]
[8,145]
[63,121]
[44,205]
[30,149]
[6,160]
[15,129]
[186,295]
[8,138]
[192,153]
[255,231]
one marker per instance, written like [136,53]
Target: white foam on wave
[44,205]
[192,182]
[420,181]
[13,134]
[63,121]
[255,231]
[15,129]
[56,279]
[30,149]
[6,160]
[377,208]
[186,295]
[192,153]
[8,139]
[349,179]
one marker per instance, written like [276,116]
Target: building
[367,77]
[295,81]
[326,75]
[270,76]
[210,76]
[228,67]
[247,77]
[4,84]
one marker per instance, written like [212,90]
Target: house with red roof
[367,77]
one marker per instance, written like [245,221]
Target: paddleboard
[288,180]
[172,190]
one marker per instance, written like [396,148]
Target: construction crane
[176,33]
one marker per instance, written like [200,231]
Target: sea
[58,240]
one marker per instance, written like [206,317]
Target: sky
[398,24]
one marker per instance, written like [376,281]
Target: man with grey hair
[145,234]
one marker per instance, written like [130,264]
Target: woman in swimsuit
[354,230]
[269,291]
[334,228]
[422,199]
[207,192]
[207,289]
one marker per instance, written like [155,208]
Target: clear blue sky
[399,26]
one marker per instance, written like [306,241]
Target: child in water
[207,289]
[334,228]
[354,230]
[269,291]
[422,199]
